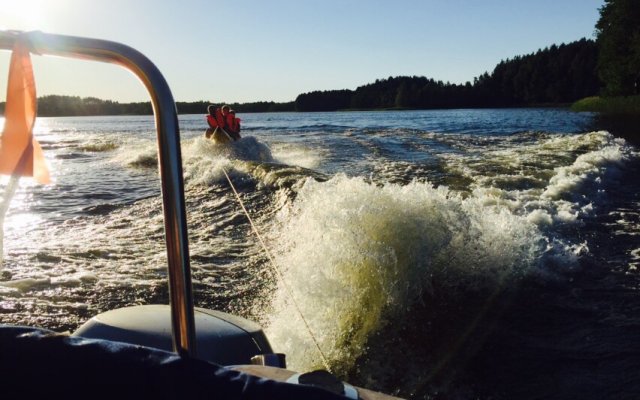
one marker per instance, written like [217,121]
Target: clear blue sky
[261,50]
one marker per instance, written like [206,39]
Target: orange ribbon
[20,152]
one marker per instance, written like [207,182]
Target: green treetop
[618,31]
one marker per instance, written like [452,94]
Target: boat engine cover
[221,338]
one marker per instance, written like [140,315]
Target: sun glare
[21,14]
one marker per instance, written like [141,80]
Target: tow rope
[278,273]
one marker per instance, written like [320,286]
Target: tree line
[70,106]
[554,75]
[609,66]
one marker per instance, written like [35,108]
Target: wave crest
[354,253]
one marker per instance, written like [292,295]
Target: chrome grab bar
[169,156]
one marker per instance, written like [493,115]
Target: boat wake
[354,254]
[400,247]
[364,260]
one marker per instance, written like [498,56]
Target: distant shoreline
[71,106]
[555,76]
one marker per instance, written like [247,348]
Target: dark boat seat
[37,363]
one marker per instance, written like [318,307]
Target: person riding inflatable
[215,118]
[222,120]
[232,124]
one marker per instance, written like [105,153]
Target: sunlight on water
[20,222]
[294,154]
[15,214]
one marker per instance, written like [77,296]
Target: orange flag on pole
[20,152]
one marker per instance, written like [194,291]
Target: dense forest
[554,75]
[618,32]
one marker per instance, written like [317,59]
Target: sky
[273,50]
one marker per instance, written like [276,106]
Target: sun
[22,14]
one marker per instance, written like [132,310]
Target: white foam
[27,283]
[99,145]
[588,167]
[204,160]
[553,180]
[352,252]
[295,154]
[139,153]
[540,217]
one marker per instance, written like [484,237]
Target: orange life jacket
[211,120]
[232,123]
[216,120]
[220,118]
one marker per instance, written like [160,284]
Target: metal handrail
[169,156]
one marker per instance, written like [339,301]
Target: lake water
[434,254]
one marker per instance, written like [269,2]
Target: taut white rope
[278,273]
